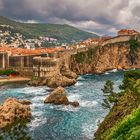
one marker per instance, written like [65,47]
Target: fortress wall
[117,39]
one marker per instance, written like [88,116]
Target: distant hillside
[63,33]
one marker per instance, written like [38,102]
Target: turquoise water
[64,122]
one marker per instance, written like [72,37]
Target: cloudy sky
[101,16]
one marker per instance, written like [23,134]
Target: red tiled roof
[129,31]
[21,51]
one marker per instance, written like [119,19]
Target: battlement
[117,39]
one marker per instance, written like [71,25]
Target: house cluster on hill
[15,39]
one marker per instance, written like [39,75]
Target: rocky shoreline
[62,77]
[12,110]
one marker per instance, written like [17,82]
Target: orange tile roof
[128,31]
[21,51]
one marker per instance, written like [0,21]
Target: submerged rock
[74,104]
[25,102]
[13,110]
[59,97]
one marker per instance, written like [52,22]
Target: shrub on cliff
[128,128]
[129,79]
[85,56]
[134,45]
[80,57]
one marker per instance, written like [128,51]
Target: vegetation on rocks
[18,130]
[80,57]
[14,115]
[7,72]
[134,45]
[122,122]
[87,56]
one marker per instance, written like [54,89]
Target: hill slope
[63,33]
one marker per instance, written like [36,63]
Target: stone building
[43,66]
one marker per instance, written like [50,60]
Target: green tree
[109,94]
[130,77]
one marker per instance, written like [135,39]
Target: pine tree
[109,94]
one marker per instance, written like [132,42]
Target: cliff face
[104,58]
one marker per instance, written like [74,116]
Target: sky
[104,17]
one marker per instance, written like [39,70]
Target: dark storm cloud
[92,15]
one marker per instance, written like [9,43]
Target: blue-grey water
[64,122]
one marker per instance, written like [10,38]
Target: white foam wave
[106,73]
[34,105]
[38,98]
[37,113]
[37,121]
[80,78]
[87,130]
[68,108]
[114,70]
[88,74]
[34,90]
[74,97]
[78,83]
[88,103]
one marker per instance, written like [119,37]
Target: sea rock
[54,81]
[65,71]
[13,110]
[57,97]
[59,80]
[25,102]
[74,104]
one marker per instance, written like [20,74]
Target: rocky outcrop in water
[59,97]
[53,81]
[63,76]
[13,110]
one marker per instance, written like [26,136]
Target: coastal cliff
[104,58]
[122,122]
[120,53]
